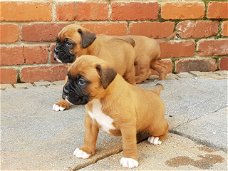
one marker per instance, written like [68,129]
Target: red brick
[177,49]
[134,11]
[182,10]
[41,32]
[23,55]
[217,10]
[43,73]
[213,47]
[167,64]
[153,29]
[20,11]
[223,64]
[8,76]
[82,11]
[11,56]
[9,33]
[107,28]
[203,65]
[66,11]
[35,54]
[197,29]
[225,28]
[92,11]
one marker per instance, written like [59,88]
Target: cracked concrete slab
[208,129]
[32,134]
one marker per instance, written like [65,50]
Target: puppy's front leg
[129,147]
[90,139]
[61,105]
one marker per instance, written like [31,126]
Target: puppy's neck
[94,48]
[113,92]
[116,88]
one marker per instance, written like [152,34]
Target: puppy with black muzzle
[74,41]
[147,51]
[115,106]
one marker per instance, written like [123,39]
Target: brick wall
[198,30]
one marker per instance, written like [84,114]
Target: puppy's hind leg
[143,69]
[129,76]
[158,133]
[144,74]
[158,66]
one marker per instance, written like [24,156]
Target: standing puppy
[115,106]
[147,51]
[74,41]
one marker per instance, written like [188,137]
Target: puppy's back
[122,51]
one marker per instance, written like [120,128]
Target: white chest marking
[102,119]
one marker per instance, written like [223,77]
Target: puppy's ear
[87,37]
[107,75]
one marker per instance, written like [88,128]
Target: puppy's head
[88,78]
[72,41]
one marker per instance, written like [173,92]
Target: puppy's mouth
[75,99]
[63,57]
[68,100]
[56,58]
[82,100]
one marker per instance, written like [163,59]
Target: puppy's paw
[81,154]
[61,105]
[129,162]
[154,140]
[57,108]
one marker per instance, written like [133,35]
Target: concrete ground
[33,137]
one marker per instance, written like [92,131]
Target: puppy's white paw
[81,154]
[129,162]
[57,108]
[154,140]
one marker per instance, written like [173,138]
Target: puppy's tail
[157,89]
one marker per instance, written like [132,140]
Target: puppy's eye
[81,82]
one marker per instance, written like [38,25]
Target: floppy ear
[107,75]
[87,37]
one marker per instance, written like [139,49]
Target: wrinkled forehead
[84,68]
[69,32]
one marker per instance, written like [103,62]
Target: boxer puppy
[114,106]
[147,51]
[74,41]
[147,60]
